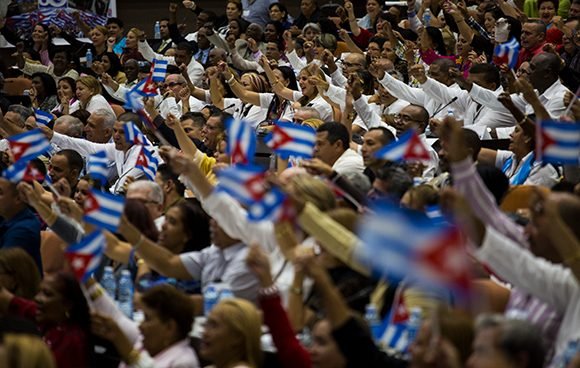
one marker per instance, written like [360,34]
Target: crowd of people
[471,79]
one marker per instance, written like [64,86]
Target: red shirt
[528,54]
[68,342]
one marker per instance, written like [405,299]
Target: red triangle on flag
[546,140]
[401,313]
[238,156]
[255,186]
[91,204]
[79,263]
[31,173]
[416,149]
[142,159]
[446,259]
[18,149]
[279,138]
[149,87]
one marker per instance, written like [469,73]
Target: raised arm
[278,88]
[242,93]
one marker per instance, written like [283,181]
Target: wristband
[229,81]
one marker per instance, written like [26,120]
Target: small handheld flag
[103,209]
[558,142]
[23,171]
[42,117]
[289,139]
[133,134]
[97,166]
[85,256]
[404,244]
[241,141]
[409,148]
[507,53]
[246,183]
[28,145]
[273,206]
[147,163]
[159,70]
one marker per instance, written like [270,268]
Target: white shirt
[552,283]
[194,69]
[349,162]
[254,115]
[546,175]
[474,112]
[266,100]
[124,161]
[431,167]
[370,115]
[96,102]
[318,103]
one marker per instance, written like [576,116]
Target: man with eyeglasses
[151,194]
[353,62]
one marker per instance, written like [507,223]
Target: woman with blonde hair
[131,49]
[232,335]
[88,92]
[18,273]
[25,351]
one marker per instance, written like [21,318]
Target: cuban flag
[133,134]
[395,334]
[23,171]
[42,117]
[85,256]
[241,141]
[405,244]
[28,145]
[246,183]
[408,148]
[289,139]
[507,53]
[103,210]
[97,166]
[273,206]
[159,70]
[147,163]
[558,142]
[146,88]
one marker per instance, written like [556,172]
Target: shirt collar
[231,251]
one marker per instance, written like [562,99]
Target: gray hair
[74,127]
[108,117]
[154,190]
[23,111]
[358,180]
[489,320]
[313,113]
[315,27]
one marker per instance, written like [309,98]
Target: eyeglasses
[173,84]
[404,117]
[350,65]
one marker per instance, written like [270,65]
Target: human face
[172,232]
[373,7]
[326,151]
[131,42]
[235,28]
[8,197]
[485,352]
[307,88]
[59,168]
[83,92]
[272,51]
[95,130]
[374,50]
[438,74]
[60,61]
[254,31]
[371,144]
[547,11]
[232,11]
[173,84]
[574,11]
[281,77]
[276,14]
[97,37]
[310,34]
[192,131]
[164,29]
[50,302]
[388,52]
[81,192]
[519,143]
[524,70]
[38,86]
[115,30]
[531,36]
[131,70]
[182,57]
[489,22]
[221,154]
[270,33]
[406,119]
[106,63]
[210,131]
[202,19]
[218,339]
[307,7]
[39,34]
[324,352]
[154,331]
[119,137]
[463,47]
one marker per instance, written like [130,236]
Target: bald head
[544,70]
[354,62]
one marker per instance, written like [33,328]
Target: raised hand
[189,4]
[111,41]
[171,121]
[317,167]
[173,7]
[418,71]
[252,44]
[258,262]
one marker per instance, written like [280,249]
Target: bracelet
[140,262]
[296,290]
[139,242]
[229,81]
[269,291]
[571,260]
